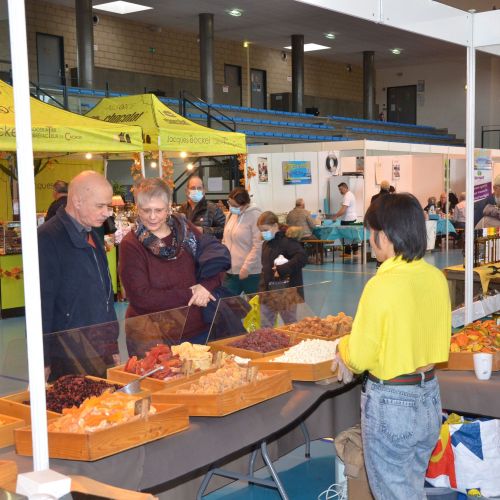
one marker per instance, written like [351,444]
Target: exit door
[50,59]
[258,88]
[232,78]
[402,104]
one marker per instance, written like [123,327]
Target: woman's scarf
[182,237]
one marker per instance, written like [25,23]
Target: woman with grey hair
[158,270]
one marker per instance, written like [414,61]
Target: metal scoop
[135,386]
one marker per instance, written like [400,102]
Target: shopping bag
[467,457]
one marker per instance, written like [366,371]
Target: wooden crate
[7,429]
[119,375]
[14,406]
[463,361]
[223,345]
[90,446]
[298,371]
[217,405]
[8,474]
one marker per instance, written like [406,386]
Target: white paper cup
[483,363]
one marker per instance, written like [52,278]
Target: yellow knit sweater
[403,321]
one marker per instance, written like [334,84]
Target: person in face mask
[243,239]
[201,212]
[282,261]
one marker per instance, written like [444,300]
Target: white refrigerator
[356,186]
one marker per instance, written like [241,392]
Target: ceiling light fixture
[310,47]
[153,164]
[396,51]
[183,154]
[235,12]
[121,7]
[88,156]
[190,166]
[330,36]
[246,45]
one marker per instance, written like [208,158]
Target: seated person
[431,205]
[299,216]
[458,216]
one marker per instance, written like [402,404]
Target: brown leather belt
[410,379]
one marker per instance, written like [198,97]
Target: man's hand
[201,296]
[243,274]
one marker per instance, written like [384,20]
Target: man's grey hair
[60,187]
[299,202]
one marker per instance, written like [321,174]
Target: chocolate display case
[10,238]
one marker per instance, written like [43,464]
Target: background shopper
[401,329]
[277,244]
[202,213]
[347,214]
[242,238]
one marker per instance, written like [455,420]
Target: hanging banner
[483,172]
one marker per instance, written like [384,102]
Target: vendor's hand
[343,373]
[244,274]
[201,296]
[116,359]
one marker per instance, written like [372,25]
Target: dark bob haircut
[240,196]
[401,218]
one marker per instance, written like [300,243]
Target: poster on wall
[262,169]
[483,172]
[396,170]
[296,172]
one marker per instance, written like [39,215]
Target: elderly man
[60,195]
[75,283]
[201,212]
[492,200]
[458,217]
[300,217]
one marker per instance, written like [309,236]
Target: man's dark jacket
[207,215]
[76,291]
[54,207]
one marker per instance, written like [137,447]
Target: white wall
[444,98]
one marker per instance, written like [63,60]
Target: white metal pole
[34,337]
[469,175]
[447,203]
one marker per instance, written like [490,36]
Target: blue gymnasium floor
[303,478]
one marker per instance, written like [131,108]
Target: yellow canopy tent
[55,130]
[165,130]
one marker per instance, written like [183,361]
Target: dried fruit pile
[480,336]
[263,340]
[160,355]
[331,327]
[230,376]
[98,413]
[72,390]
[199,355]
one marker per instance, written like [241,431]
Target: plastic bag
[467,457]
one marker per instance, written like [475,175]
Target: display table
[327,410]
[463,392]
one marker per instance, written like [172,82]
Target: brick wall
[124,45]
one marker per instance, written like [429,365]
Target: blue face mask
[195,195]
[267,235]
[235,210]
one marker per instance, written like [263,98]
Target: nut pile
[309,351]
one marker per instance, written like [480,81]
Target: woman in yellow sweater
[401,329]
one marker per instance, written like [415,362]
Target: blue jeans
[400,427]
